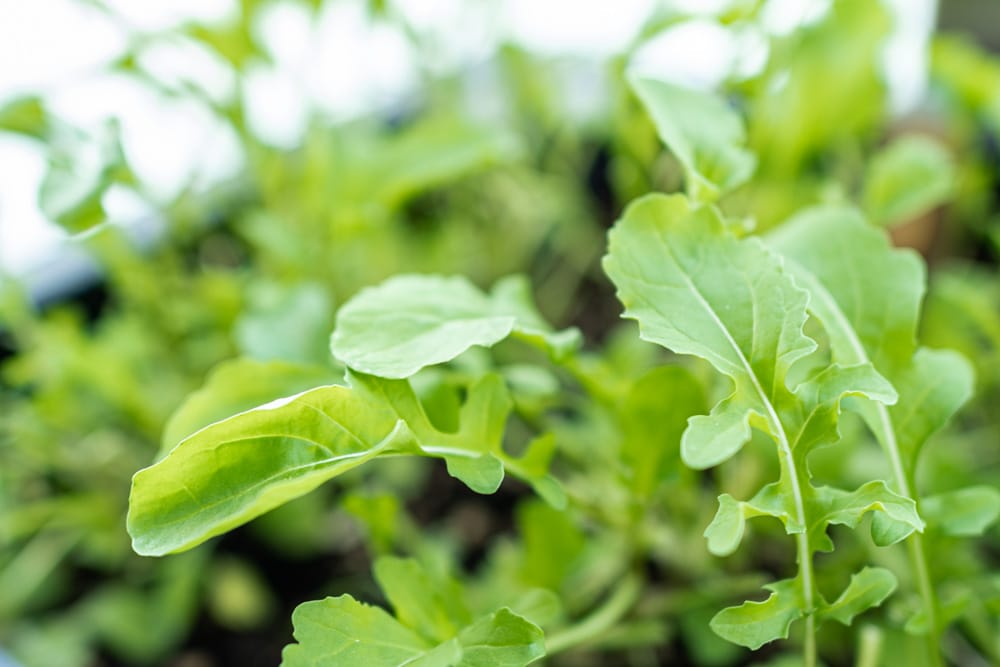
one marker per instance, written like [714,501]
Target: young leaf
[838,258]
[931,390]
[433,607]
[432,627]
[235,470]
[867,588]
[343,631]
[898,513]
[502,639]
[908,178]
[413,321]
[706,136]
[725,532]
[753,624]
[695,289]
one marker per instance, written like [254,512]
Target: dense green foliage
[395,357]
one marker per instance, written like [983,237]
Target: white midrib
[802,539]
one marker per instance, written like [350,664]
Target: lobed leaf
[707,137]
[431,606]
[432,627]
[753,624]
[898,514]
[838,258]
[343,631]
[695,289]
[412,321]
[867,588]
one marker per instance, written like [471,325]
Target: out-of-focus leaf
[908,178]
[25,115]
[409,322]
[706,136]
[286,323]
[964,512]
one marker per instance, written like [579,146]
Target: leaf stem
[915,542]
[809,647]
[600,620]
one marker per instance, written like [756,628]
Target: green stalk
[600,620]
[915,542]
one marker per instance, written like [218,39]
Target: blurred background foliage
[484,172]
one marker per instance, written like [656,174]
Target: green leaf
[286,323]
[695,289]
[236,469]
[899,513]
[726,530]
[838,258]
[964,512]
[707,137]
[753,624]
[654,416]
[502,639]
[237,385]
[343,631]
[867,588]
[80,171]
[907,179]
[413,321]
[931,391]
[430,605]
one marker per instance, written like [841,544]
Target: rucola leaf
[696,289]
[239,468]
[706,136]
[412,321]
[432,627]
[867,588]
[237,385]
[343,631]
[838,259]
[931,390]
[753,624]
[898,513]
[866,293]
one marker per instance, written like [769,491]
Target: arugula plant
[593,548]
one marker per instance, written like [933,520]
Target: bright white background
[342,65]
